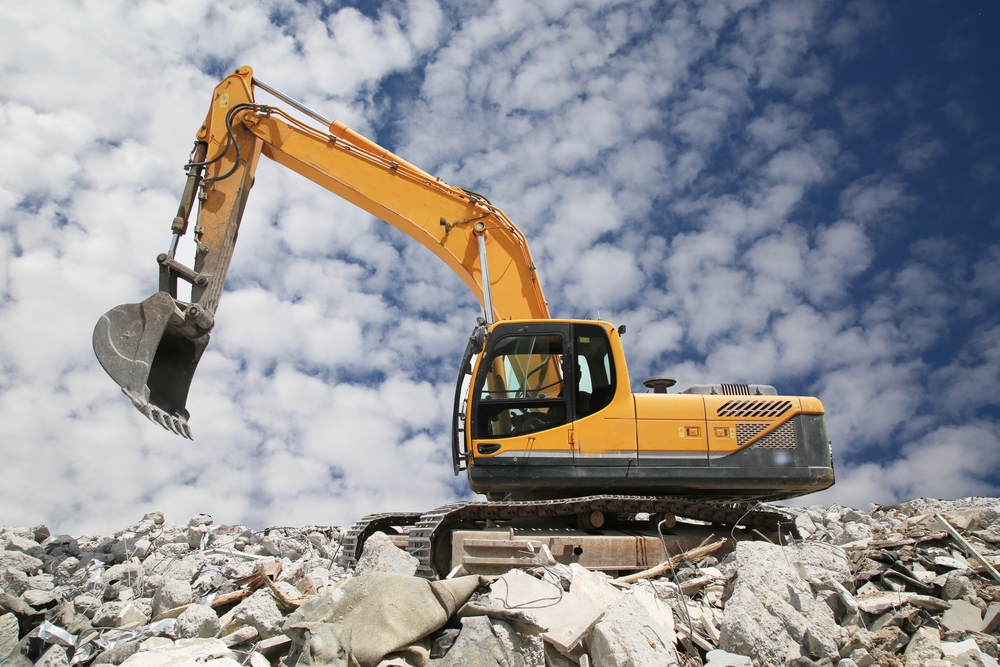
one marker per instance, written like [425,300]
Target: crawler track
[429,528]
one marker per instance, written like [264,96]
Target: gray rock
[13,581]
[8,635]
[805,525]
[172,593]
[957,586]
[772,607]
[197,621]
[86,604]
[65,544]
[476,646]
[260,611]
[24,544]
[118,653]
[962,616]
[41,582]
[55,656]
[19,561]
[118,578]
[381,555]
[627,634]
[39,599]
[66,567]
[719,658]
[924,645]
[854,531]
[107,615]
[520,650]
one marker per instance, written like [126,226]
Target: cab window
[595,377]
[522,388]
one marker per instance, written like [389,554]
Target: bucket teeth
[172,423]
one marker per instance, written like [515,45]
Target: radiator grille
[782,437]
[736,389]
[746,432]
[753,408]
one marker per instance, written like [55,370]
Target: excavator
[545,422]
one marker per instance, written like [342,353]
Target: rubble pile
[901,586]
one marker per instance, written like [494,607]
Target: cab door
[521,410]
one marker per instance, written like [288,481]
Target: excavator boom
[151,349]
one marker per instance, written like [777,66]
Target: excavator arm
[152,349]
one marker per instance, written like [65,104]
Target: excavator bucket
[153,363]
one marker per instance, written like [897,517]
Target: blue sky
[796,193]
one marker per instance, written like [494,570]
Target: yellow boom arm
[151,349]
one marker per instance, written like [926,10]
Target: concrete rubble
[900,586]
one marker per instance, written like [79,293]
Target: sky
[797,193]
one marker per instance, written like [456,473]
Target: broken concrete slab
[720,658]
[567,617]
[594,587]
[628,635]
[260,611]
[185,653]
[962,616]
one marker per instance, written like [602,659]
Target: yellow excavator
[545,422]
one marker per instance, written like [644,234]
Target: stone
[952,650]
[854,532]
[118,653]
[658,609]
[197,621]
[86,604]
[567,617]
[8,635]
[185,653]
[957,586]
[628,635]
[171,594]
[260,611]
[847,662]
[107,615]
[862,658]
[39,599]
[476,646]
[594,587]
[991,620]
[520,650]
[381,555]
[929,603]
[55,656]
[240,636]
[19,561]
[719,658]
[13,581]
[773,607]
[804,524]
[924,645]
[962,616]
[983,660]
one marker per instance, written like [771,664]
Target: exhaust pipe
[151,349]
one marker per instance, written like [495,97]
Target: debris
[566,617]
[693,555]
[896,591]
[381,555]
